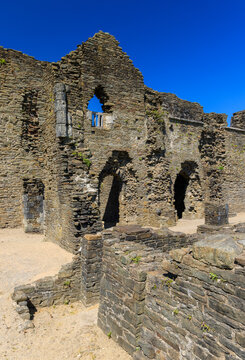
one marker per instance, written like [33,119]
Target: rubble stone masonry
[152,151]
[84,178]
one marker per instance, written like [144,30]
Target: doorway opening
[188,194]
[110,200]
[180,186]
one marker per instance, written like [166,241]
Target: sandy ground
[61,332]
[190,226]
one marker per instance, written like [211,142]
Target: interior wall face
[182,148]
[23,100]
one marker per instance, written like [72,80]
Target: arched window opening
[97,106]
[109,197]
[94,104]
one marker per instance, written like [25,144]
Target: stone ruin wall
[153,137]
[24,99]
[182,127]
[109,151]
[169,296]
[185,304]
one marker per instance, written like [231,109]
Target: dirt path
[190,226]
[61,332]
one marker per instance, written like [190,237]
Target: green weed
[136,259]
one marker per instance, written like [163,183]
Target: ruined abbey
[106,186]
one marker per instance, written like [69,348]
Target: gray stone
[25,316]
[19,296]
[61,130]
[218,250]
[22,303]
[240,338]
[59,87]
[28,324]
[242,242]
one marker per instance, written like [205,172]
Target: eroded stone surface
[240,259]
[218,250]
[155,156]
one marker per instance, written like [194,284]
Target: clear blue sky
[192,48]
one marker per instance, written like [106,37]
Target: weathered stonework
[149,158]
[160,157]
[185,304]
[51,290]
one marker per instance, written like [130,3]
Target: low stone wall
[91,252]
[197,313]
[163,239]
[187,304]
[91,263]
[129,253]
[51,290]
[122,293]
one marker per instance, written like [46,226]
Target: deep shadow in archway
[111,182]
[111,214]
[180,186]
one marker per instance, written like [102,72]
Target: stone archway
[112,190]
[188,195]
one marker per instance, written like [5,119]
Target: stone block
[61,130]
[240,259]
[93,237]
[25,316]
[19,296]
[218,250]
[59,87]
[60,105]
[22,309]
[178,254]
[231,346]
[61,117]
[240,338]
[216,214]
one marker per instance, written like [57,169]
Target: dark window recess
[33,203]
[30,122]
